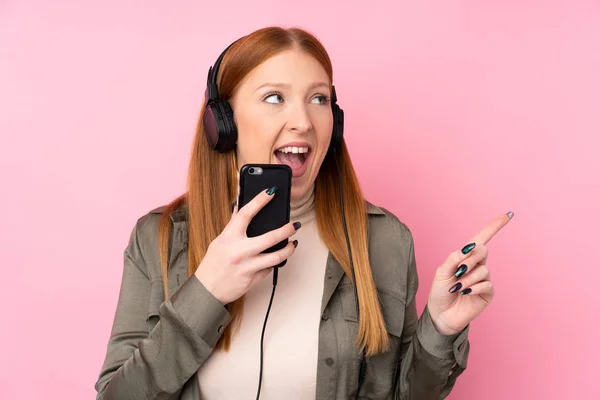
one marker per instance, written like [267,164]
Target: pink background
[456,112]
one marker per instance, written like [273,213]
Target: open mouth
[295,157]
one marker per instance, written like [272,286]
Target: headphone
[219,125]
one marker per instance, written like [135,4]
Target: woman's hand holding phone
[233,262]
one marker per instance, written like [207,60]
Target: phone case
[277,212]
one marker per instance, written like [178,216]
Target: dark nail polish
[295,242]
[455,287]
[510,214]
[468,248]
[233,205]
[297,225]
[272,190]
[461,270]
[466,291]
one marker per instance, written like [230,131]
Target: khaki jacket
[156,346]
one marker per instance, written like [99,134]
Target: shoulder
[385,224]
[146,225]
[143,240]
[391,252]
[143,246]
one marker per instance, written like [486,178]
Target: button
[329,361]
[325,315]
[221,327]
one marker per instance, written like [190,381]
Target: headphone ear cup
[230,132]
[338,126]
[219,126]
[209,121]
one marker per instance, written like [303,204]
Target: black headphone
[219,124]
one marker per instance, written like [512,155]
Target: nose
[299,120]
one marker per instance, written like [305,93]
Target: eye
[320,99]
[273,98]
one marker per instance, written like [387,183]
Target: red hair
[208,200]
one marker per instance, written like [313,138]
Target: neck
[303,209]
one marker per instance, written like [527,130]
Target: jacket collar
[373,209]
[181,213]
[333,271]
[180,235]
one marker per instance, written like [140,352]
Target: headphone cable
[262,335]
[275,275]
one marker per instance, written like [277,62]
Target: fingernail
[466,291]
[272,190]
[510,214]
[297,225]
[468,248]
[295,242]
[233,205]
[455,287]
[461,270]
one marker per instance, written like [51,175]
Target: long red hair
[212,187]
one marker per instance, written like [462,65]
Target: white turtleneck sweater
[292,333]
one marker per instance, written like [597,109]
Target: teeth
[293,149]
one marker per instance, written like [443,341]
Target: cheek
[256,136]
[323,128]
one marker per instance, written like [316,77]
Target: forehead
[294,67]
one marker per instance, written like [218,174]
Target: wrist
[441,327]
[207,283]
[436,340]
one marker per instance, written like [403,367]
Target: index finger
[245,214]
[493,227]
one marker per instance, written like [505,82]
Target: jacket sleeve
[156,364]
[430,362]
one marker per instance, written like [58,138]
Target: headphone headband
[213,72]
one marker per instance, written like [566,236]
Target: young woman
[195,288]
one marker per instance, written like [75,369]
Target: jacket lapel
[334,272]
[333,275]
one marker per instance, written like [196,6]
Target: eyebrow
[287,85]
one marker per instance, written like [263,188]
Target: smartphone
[256,178]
